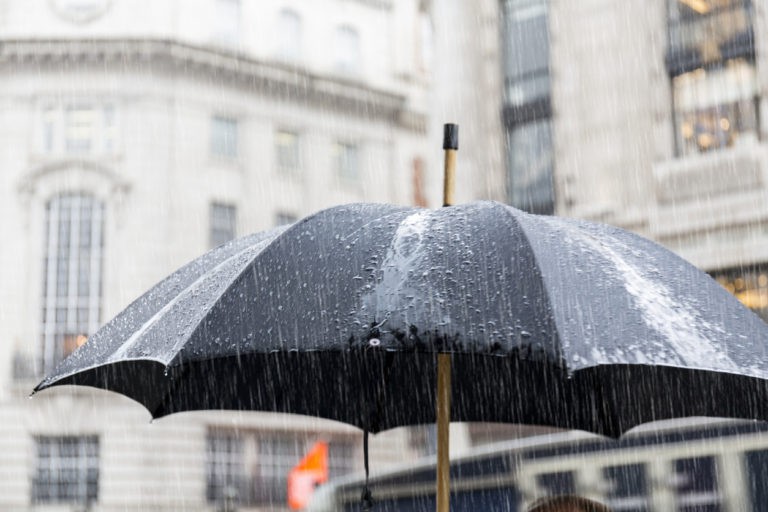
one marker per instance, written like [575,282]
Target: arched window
[72,266]
[290,35]
[347,50]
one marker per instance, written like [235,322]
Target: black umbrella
[547,321]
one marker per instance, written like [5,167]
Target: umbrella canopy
[549,321]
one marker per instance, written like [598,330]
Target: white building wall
[157,187]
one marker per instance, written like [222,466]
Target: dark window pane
[557,483]
[757,477]
[67,470]
[708,32]
[627,487]
[696,484]
[530,167]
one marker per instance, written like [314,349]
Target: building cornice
[283,81]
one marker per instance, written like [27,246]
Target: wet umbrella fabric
[549,321]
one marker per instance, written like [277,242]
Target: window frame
[289,168]
[222,223]
[347,170]
[348,55]
[54,126]
[291,40]
[224,145]
[70,314]
[48,481]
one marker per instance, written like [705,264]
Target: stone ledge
[286,82]
[729,171]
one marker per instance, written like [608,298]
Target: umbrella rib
[136,335]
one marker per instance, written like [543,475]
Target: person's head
[567,504]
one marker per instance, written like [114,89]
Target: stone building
[135,136]
[649,116]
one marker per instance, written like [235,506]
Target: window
[341,458]
[287,151]
[78,128]
[226,23]
[284,218]
[750,286]
[224,137]
[554,484]
[72,280]
[289,34]
[66,470]
[226,477]
[627,489]
[696,484]
[711,62]
[756,465]
[527,109]
[715,108]
[346,160]
[530,167]
[277,456]
[223,221]
[251,468]
[426,49]
[708,31]
[525,50]
[347,50]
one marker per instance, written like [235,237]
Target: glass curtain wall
[527,110]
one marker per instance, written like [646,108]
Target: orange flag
[308,473]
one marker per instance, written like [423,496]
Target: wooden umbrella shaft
[443,405]
[449,180]
[443,431]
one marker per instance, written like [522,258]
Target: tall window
[346,158]
[226,22]
[78,128]
[711,62]
[527,109]
[227,479]
[72,281]
[223,223]
[290,36]
[224,137]
[347,50]
[287,151]
[425,50]
[66,470]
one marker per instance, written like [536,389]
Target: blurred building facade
[649,116]
[137,135]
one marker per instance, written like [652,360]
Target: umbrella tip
[451,136]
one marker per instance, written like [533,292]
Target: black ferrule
[451,136]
